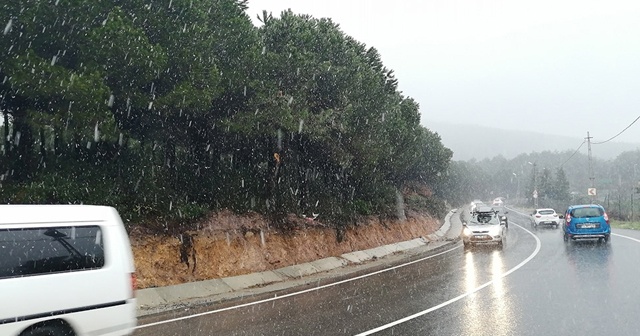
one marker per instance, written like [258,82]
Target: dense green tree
[464,182]
[545,184]
[167,109]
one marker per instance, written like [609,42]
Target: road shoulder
[161,299]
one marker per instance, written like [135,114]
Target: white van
[65,270]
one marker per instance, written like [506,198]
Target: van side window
[37,251]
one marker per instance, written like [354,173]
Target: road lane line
[295,293]
[462,296]
[623,236]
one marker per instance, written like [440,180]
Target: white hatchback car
[545,216]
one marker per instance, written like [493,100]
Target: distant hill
[480,142]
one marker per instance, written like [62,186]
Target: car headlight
[466,231]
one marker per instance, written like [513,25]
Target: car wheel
[46,331]
[606,239]
[565,237]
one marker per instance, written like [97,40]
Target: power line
[574,153]
[615,136]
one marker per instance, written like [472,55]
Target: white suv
[546,216]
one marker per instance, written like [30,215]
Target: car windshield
[485,219]
[586,212]
[546,212]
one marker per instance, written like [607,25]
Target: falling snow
[96,133]
[7,28]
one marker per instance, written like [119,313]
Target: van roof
[40,213]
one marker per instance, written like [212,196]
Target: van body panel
[97,301]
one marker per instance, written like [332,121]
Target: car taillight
[134,284]
[606,218]
[538,216]
[555,215]
[567,219]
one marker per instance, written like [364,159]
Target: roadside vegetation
[561,179]
[168,111]
[633,225]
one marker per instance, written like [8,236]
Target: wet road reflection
[480,315]
[503,318]
[472,314]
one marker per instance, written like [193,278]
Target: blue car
[588,221]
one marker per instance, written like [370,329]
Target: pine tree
[561,186]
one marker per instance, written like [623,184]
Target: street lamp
[518,187]
[633,190]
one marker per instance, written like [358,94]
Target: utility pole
[535,184]
[518,186]
[591,177]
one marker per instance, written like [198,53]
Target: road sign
[535,194]
[591,191]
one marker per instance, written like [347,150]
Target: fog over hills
[478,142]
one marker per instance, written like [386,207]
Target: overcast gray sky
[553,66]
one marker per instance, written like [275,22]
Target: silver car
[484,228]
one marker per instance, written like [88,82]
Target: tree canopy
[170,109]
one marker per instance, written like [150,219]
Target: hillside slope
[227,244]
[469,141]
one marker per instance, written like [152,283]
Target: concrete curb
[154,300]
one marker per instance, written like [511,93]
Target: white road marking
[627,237]
[462,296]
[295,293]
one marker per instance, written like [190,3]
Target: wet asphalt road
[537,285]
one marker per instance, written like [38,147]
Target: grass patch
[625,225]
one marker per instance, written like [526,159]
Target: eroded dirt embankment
[226,245]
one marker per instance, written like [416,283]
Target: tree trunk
[400,205]
[22,155]
[7,144]
[43,148]
[56,141]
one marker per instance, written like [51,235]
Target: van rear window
[27,252]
